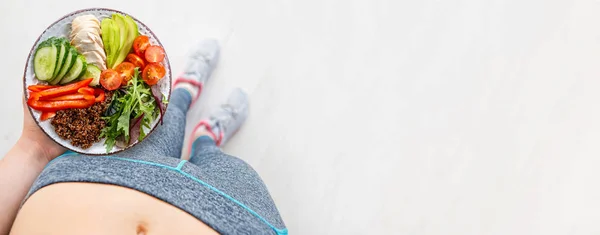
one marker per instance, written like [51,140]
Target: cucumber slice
[76,70]
[69,61]
[62,54]
[44,61]
[94,72]
[84,69]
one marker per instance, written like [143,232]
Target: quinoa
[81,126]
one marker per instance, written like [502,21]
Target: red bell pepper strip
[36,88]
[86,90]
[76,96]
[99,93]
[63,90]
[47,115]
[46,105]
[60,105]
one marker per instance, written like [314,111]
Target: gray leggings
[221,190]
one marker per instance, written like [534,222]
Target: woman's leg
[167,139]
[227,173]
[235,178]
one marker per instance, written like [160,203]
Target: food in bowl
[99,82]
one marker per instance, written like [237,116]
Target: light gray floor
[390,117]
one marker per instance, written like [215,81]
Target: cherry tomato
[153,73]
[125,70]
[140,44]
[110,79]
[136,60]
[155,54]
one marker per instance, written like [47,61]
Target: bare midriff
[89,208]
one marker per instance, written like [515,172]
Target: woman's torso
[91,208]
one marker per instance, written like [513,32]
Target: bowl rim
[26,94]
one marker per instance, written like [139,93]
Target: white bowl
[62,28]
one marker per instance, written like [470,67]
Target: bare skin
[86,208]
[21,165]
[77,208]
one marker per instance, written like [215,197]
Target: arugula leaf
[123,123]
[135,102]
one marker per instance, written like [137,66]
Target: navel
[141,229]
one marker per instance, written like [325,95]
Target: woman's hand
[36,140]
[21,166]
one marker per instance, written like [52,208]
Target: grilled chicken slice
[84,18]
[85,37]
[95,58]
[85,25]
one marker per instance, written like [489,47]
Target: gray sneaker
[229,117]
[202,61]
